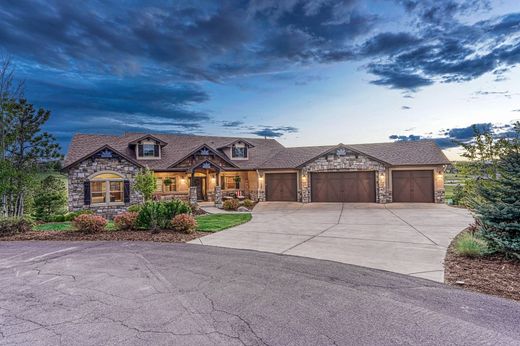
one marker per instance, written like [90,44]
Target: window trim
[107,182]
[244,147]
[156,146]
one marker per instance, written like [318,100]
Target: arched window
[106,188]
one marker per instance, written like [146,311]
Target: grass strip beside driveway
[219,222]
[65,226]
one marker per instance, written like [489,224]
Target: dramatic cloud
[453,137]
[232,124]
[140,66]
[274,132]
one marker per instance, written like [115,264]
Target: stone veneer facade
[81,172]
[350,162]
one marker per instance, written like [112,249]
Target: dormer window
[148,150]
[239,151]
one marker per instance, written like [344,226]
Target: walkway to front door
[404,238]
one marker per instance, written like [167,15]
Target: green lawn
[218,222]
[206,223]
[450,181]
[64,226]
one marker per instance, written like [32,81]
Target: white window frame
[107,182]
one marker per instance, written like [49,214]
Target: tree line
[24,146]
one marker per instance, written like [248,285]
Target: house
[101,170]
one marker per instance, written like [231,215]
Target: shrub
[175,207]
[153,215]
[184,223]
[13,225]
[56,218]
[89,223]
[134,208]
[68,216]
[51,198]
[126,220]
[458,194]
[471,245]
[231,204]
[248,203]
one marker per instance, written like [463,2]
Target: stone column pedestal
[193,195]
[218,197]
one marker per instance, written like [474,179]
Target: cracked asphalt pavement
[112,293]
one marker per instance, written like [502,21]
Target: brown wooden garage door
[280,187]
[412,186]
[343,187]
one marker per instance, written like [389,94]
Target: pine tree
[498,206]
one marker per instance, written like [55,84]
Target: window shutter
[86,192]
[126,191]
[140,150]
[156,150]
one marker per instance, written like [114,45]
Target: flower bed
[493,274]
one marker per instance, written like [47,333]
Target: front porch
[202,181]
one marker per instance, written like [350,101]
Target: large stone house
[101,170]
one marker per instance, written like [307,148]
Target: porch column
[218,196]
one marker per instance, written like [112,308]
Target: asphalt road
[108,293]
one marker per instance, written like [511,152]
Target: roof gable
[204,150]
[136,141]
[104,152]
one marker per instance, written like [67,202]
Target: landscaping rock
[243,209]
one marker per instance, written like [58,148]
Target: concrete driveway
[144,293]
[403,238]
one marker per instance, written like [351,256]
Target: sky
[303,72]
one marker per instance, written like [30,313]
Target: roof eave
[105,146]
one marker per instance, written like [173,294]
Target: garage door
[280,187]
[343,187]
[412,186]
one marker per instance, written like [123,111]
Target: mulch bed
[493,274]
[163,236]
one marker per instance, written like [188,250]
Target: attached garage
[281,187]
[412,186]
[343,187]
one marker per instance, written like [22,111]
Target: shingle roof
[423,152]
[415,153]
[178,147]
[266,153]
[294,157]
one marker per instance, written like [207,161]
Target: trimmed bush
[184,223]
[471,245]
[69,216]
[126,220]
[154,215]
[248,203]
[89,223]
[14,225]
[231,204]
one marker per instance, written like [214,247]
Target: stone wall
[349,162]
[80,172]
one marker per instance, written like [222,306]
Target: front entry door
[200,183]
